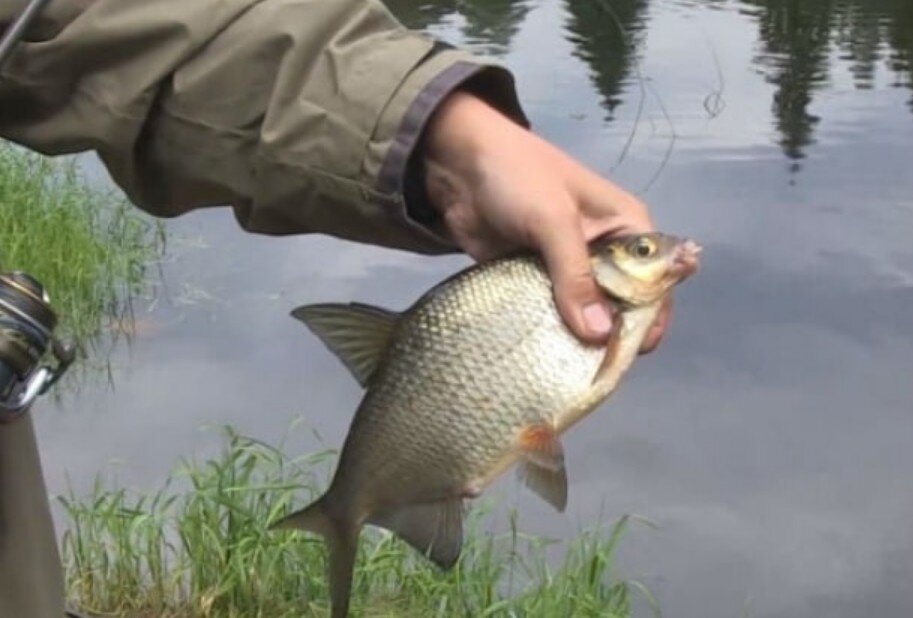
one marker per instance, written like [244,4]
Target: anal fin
[543,471]
[435,529]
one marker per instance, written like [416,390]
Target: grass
[199,546]
[86,245]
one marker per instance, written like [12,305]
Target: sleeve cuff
[395,174]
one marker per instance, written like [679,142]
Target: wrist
[461,131]
[452,131]
[447,144]
[461,140]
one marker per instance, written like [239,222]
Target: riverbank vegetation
[200,546]
[87,245]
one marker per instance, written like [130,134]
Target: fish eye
[644,247]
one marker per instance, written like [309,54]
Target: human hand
[500,187]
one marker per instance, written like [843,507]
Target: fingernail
[597,319]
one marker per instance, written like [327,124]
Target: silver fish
[479,374]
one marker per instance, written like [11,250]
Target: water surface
[770,438]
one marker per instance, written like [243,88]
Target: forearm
[301,114]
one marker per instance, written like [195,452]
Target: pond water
[770,438]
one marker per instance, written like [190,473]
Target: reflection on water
[771,435]
[489,25]
[798,39]
[606,35]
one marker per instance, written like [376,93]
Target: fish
[478,375]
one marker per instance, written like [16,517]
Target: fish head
[638,269]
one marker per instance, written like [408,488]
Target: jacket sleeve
[300,114]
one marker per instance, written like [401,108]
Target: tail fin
[341,537]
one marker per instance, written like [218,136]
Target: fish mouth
[685,261]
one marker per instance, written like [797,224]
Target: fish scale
[485,387]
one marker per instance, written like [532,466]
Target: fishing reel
[27,325]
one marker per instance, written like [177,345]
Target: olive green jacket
[302,115]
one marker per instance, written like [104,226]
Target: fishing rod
[16,31]
[27,320]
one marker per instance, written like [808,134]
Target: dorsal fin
[357,334]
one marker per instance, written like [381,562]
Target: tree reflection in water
[797,41]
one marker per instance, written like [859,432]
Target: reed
[87,246]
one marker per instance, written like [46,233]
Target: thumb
[580,302]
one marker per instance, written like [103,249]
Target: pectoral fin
[543,471]
[551,485]
[540,445]
[357,334]
[612,348]
[435,529]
